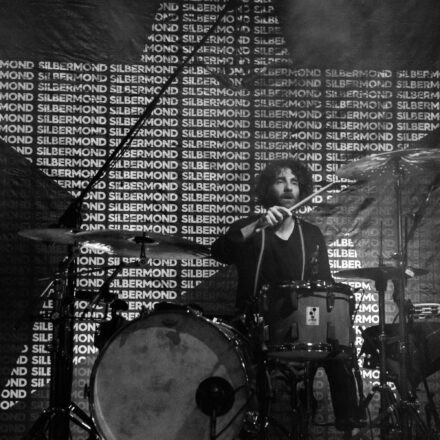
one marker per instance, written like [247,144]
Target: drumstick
[303,201]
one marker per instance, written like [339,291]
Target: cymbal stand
[55,420]
[387,398]
[254,323]
[386,395]
[400,297]
[403,412]
[405,409]
[407,403]
[104,292]
[430,409]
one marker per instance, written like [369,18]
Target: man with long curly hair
[275,248]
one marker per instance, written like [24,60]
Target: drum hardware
[430,408]
[396,164]
[104,293]
[107,329]
[302,402]
[214,397]
[380,278]
[254,324]
[54,420]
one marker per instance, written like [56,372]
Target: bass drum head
[144,383]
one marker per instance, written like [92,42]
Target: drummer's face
[285,189]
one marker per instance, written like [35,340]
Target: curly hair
[268,176]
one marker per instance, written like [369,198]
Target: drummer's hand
[274,216]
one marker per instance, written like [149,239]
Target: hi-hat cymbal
[50,235]
[130,244]
[375,273]
[367,166]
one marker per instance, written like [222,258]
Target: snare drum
[307,320]
[145,380]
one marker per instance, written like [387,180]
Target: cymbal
[374,273]
[130,244]
[50,235]
[365,167]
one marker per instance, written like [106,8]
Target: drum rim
[188,311]
[309,347]
[306,346]
[316,285]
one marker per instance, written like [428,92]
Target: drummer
[276,247]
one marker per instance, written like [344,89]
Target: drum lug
[294,300]
[331,333]
[294,331]
[264,307]
[330,301]
[266,333]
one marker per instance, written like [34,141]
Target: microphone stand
[63,316]
[72,216]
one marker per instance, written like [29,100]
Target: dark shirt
[282,259]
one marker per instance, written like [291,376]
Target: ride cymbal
[382,162]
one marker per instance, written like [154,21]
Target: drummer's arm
[226,249]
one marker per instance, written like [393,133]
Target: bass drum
[145,380]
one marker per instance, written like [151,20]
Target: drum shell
[144,382]
[306,321]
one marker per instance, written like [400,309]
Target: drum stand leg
[301,406]
[53,423]
[430,409]
[303,411]
[54,418]
[388,408]
[396,418]
[263,395]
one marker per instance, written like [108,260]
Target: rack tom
[307,320]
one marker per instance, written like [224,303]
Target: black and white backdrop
[326,82]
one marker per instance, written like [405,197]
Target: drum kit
[175,374]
